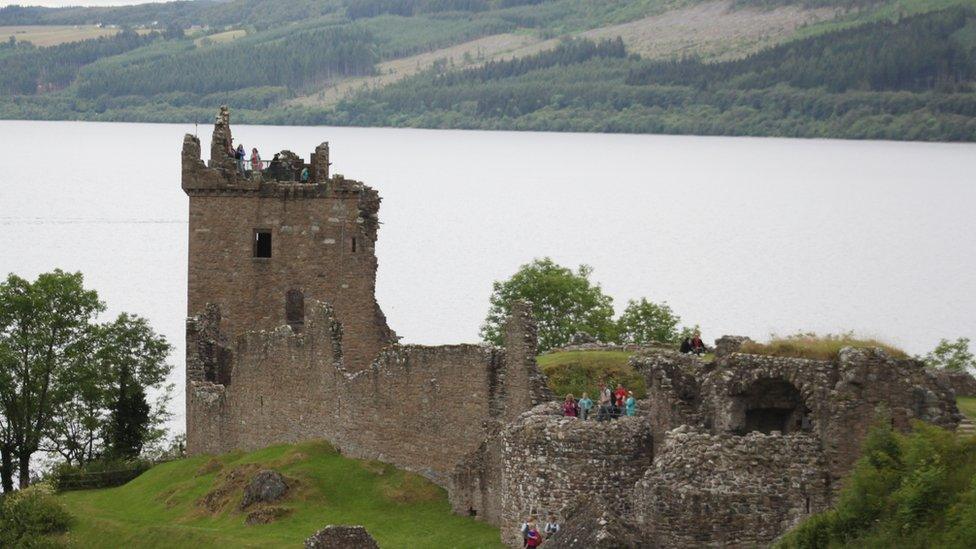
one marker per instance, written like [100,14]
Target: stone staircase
[966,427]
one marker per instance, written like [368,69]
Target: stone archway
[769,405]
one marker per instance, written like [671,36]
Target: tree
[951,355]
[129,420]
[41,326]
[124,357]
[564,303]
[61,374]
[644,322]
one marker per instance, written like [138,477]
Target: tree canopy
[61,371]
[564,303]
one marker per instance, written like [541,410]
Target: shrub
[28,516]
[914,490]
[813,346]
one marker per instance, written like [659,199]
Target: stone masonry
[295,347]
[320,235]
[549,461]
[729,491]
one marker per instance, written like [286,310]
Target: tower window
[262,243]
[295,309]
[354,244]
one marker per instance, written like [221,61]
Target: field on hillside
[165,506]
[52,35]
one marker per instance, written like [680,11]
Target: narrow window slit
[262,243]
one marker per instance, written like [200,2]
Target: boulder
[341,537]
[265,486]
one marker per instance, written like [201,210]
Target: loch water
[747,236]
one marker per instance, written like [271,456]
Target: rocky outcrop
[341,537]
[265,487]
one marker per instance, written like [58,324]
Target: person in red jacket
[533,538]
[570,409]
[620,398]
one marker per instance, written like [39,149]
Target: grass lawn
[967,405]
[582,371]
[161,508]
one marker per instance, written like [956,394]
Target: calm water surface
[740,235]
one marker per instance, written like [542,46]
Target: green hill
[194,503]
[891,69]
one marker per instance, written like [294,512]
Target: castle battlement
[285,175]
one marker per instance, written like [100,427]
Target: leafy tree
[644,322]
[42,324]
[121,355]
[61,374]
[564,302]
[951,355]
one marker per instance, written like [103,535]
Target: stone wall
[962,383]
[673,384]
[550,461]
[728,490]
[421,408]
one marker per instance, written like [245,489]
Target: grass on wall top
[817,347]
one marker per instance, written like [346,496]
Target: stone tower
[262,243]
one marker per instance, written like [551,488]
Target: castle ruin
[286,342]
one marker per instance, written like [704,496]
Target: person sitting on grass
[569,407]
[697,345]
[585,404]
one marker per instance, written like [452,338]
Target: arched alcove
[773,405]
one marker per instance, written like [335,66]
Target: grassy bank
[577,372]
[967,405]
[165,506]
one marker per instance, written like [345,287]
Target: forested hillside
[886,69]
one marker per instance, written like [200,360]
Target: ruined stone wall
[837,401]
[673,389]
[549,461]
[729,491]
[962,383]
[421,408]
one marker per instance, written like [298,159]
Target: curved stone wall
[728,490]
[549,461]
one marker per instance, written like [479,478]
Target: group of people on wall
[611,404]
[257,164]
[693,344]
